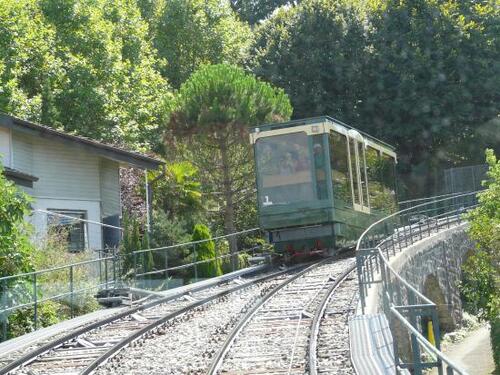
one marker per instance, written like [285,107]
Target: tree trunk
[229,201]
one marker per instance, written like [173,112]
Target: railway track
[329,351]
[83,350]
[273,337]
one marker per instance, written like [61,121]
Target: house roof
[110,152]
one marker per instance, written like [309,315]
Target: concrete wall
[433,266]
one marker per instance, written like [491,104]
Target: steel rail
[120,345]
[33,355]
[320,311]
[221,354]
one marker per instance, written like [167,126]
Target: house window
[70,225]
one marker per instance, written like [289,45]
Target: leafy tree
[85,66]
[315,51]
[214,109]
[15,246]
[26,43]
[420,74]
[481,285]
[134,240]
[189,33]
[108,66]
[254,11]
[430,82]
[15,250]
[204,251]
[179,193]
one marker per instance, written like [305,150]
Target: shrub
[204,251]
[22,321]
[481,274]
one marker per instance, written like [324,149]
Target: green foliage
[134,240]
[495,343]
[178,194]
[254,11]
[168,231]
[190,33]
[22,321]
[315,51]
[15,246]
[214,109]
[421,74]
[223,99]
[204,251]
[60,58]
[481,272]
[433,81]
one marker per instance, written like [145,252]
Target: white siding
[5,147]
[110,187]
[22,150]
[65,172]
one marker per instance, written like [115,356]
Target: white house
[68,175]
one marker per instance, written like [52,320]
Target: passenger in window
[288,165]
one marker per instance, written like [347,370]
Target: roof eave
[105,151]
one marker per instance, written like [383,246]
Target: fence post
[414,342]
[114,268]
[134,264]
[71,288]
[359,267]
[195,260]
[4,306]
[437,336]
[166,266]
[35,306]
[106,272]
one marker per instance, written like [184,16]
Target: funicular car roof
[314,120]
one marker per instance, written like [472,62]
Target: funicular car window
[284,168]
[380,170]
[354,170]
[388,180]
[362,174]
[340,168]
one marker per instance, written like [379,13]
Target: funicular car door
[357,164]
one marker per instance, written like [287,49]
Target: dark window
[375,186]
[354,170]
[388,180]
[320,167]
[70,225]
[284,169]
[362,174]
[339,161]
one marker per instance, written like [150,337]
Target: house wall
[110,187]
[5,147]
[70,178]
[22,153]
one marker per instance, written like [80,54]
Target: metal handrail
[425,343]
[390,277]
[403,281]
[432,198]
[58,268]
[109,273]
[398,213]
[187,244]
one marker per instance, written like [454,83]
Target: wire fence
[404,306]
[74,286]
